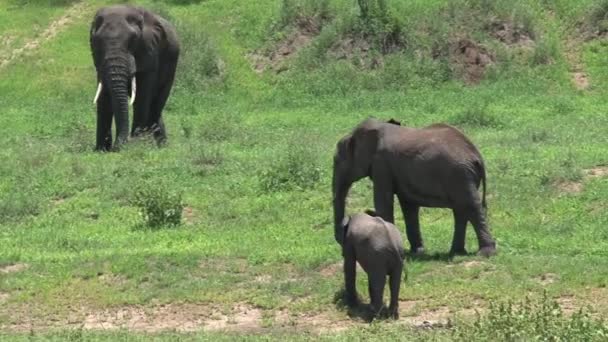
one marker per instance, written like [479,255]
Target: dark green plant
[159,205]
[298,169]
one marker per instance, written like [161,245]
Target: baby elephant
[377,246]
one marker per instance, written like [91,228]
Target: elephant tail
[483,198]
[482,172]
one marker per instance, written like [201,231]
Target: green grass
[251,155]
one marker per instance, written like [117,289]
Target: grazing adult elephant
[436,166]
[135,52]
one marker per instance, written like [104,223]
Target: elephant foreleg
[460,230]
[383,198]
[104,122]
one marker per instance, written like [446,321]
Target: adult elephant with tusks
[135,53]
[436,166]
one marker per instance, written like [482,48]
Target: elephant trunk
[116,76]
[341,185]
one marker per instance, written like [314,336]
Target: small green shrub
[532,320]
[596,21]
[159,205]
[298,169]
[18,204]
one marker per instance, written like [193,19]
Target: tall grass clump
[532,320]
[200,65]
[380,25]
[303,12]
[158,204]
[297,169]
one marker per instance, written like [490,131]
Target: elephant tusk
[99,87]
[133,89]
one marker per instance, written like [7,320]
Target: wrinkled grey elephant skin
[135,53]
[377,246]
[436,166]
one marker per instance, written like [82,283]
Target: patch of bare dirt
[3,297]
[470,60]
[580,79]
[72,13]
[568,304]
[474,264]
[547,278]
[511,34]
[190,215]
[569,187]
[573,187]
[596,172]
[276,59]
[241,318]
[431,318]
[18,267]
[578,75]
[331,270]
[318,323]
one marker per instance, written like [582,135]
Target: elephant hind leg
[395,284]
[487,245]
[155,121]
[376,283]
[460,230]
[411,214]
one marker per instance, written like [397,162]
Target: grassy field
[264,91]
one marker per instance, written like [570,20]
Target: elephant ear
[394,122]
[363,146]
[371,212]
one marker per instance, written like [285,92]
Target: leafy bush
[379,25]
[532,320]
[199,63]
[298,169]
[159,205]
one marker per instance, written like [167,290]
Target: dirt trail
[580,79]
[74,12]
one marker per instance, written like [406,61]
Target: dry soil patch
[13,268]
[470,59]
[276,59]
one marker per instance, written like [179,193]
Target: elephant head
[121,39]
[353,161]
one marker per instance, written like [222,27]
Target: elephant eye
[135,21]
[98,23]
